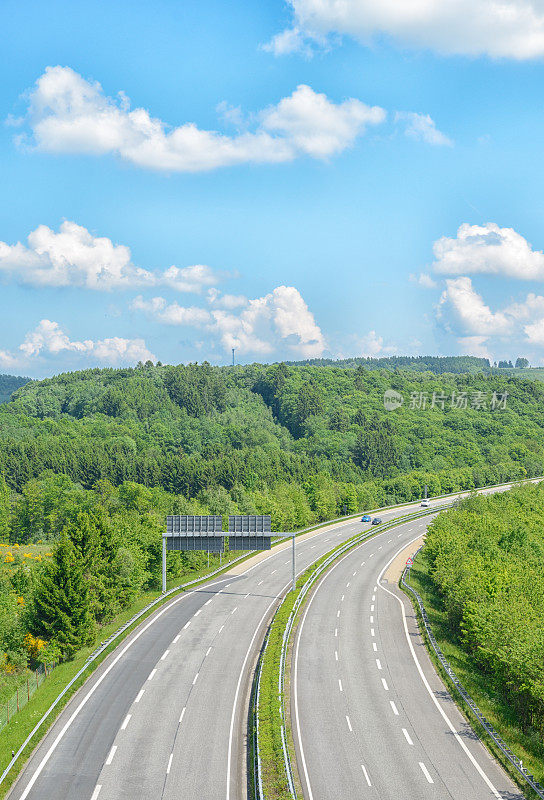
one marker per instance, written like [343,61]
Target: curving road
[165,715]
[371,717]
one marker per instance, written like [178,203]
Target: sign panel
[212,544]
[240,542]
[189,525]
[240,524]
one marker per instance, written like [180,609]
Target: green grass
[526,745]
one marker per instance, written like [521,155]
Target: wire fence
[24,693]
[498,741]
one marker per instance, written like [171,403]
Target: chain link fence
[24,693]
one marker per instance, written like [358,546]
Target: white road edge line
[139,696]
[426,684]
[96,791]
[169,763]
[394,708]
[126,721]
[111,755]
[181,715]
[366,774]
[349,724]
[165,655]
[152,674]
[385,686]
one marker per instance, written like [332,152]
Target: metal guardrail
[486,725]
[318,572]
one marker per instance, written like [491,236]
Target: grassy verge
[527,746]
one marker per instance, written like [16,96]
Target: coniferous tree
[61,603]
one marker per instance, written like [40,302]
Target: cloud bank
[280,320]
[74,257]
[69,114]
[496,28]
[48,340]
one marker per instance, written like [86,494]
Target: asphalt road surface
[372,718]
[165,715]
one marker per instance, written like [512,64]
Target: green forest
[92,461]
[486,559]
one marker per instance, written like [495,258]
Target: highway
[165,715]
[372,718]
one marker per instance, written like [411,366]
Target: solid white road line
[208,651]
[429,690]
[139,696]
[340,685]
[407,736]
[126,721]
[349,723]
[152,674]
[111,755]
[196,678]
[220,629]
[394,708]
[385,686]
[425,772]
[169,763]
[182,713]
[96,791]
[366,775]
[164,655]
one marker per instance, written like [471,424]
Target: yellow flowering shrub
[8,559]
[34,645]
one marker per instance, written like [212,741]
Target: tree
[522,363]
[61,609]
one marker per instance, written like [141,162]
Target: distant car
[425,503]
[365,518]
[377,521]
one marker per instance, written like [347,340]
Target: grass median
[529,747]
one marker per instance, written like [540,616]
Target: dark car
[377,521]
[365,518]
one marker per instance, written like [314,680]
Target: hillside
[8,384]
[193,428]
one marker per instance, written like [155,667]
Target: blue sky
[393,204]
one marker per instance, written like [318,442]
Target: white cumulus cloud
[48,339]
[423,128]
[68,114]
[280,320]
[488,249]
[424,280]
[497,28]
[75,257]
